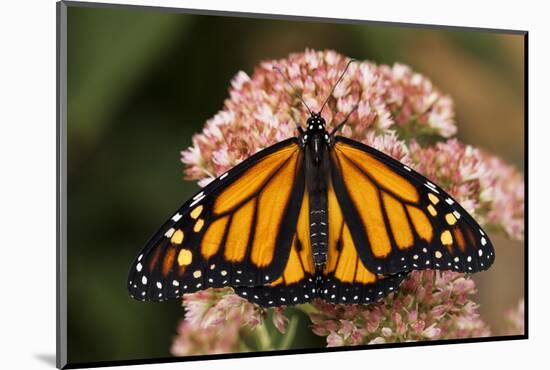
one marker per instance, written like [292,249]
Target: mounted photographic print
[237,184]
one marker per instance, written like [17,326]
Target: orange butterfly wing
[238,231]
[399,219]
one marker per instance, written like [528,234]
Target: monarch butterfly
[313,216]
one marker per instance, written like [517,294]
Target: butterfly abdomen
[318,232]
[317,172]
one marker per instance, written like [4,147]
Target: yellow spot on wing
[401,229]
[197,274]
[450,218]
[250,182]
[446,238]
[213,237]
[185,257]
[432,210]
[381,173]
[198,225]
[433,198]
[177,237]
[196,212]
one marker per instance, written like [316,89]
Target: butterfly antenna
[290,83]
[336,84]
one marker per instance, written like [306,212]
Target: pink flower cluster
[215,320]
[264,109]
[488,188]
[218,321]
[429,305]
[396,106]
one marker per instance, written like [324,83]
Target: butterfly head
[316,130]
[315,123]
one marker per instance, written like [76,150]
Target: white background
[27,181]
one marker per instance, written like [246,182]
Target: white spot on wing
[432,188]
[224,176]
[199,195]
[170,232]
[196,201]
[176,217]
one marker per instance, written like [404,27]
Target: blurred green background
[140,83]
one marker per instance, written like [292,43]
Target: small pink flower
[279,319]
[334,340]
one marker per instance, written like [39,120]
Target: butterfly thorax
[316,141]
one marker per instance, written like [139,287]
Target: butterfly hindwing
[238,231]
[400,219]
[296,284]
[346,279]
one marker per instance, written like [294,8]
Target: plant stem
[262,335]
[288,338]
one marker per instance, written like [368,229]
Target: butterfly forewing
[238,231]
[399,219]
